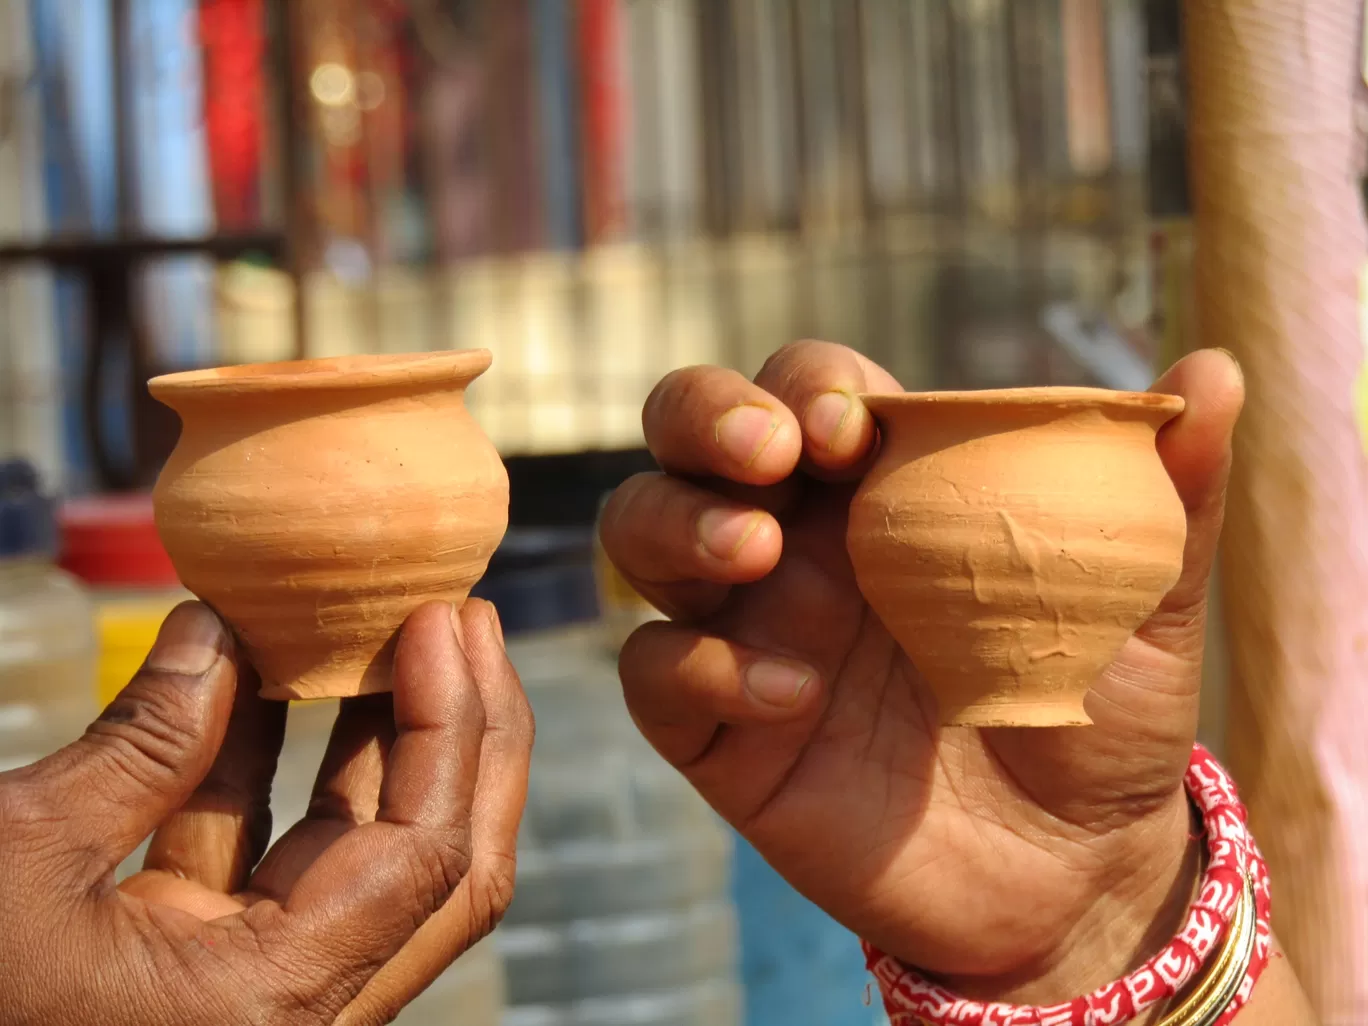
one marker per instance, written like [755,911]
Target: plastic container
[111,543]
[47,629]
[470,991]
[800,966]
[622,914]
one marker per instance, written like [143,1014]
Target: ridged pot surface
[1012,540]
[315,504]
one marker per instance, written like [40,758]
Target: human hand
[404,859]
[1017,864]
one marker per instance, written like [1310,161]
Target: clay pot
[1012,540]
[315,504]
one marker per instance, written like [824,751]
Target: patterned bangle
[1234,866]
[1207,1002]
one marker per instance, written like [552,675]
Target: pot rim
[334,373]
[1068,397]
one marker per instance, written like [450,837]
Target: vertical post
[114,286]
[291,70]
[1280,249]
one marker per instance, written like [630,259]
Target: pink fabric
[1280,245]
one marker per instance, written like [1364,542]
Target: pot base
[336,682]
[309,691]
[1019,714]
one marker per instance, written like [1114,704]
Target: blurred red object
[233,34]
[604,134]
[112,541]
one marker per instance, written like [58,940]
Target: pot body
[316,504]
[1012,540]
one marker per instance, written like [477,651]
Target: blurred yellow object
[621,608]
[1172,249]
[126,629]
[110,542]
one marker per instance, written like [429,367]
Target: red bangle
[1232,855]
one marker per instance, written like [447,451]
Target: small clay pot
[315,504]
[1012,540]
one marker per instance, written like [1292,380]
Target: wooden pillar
[1280,247]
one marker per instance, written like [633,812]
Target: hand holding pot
[403,861]
[1020,864]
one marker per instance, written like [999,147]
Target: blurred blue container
[798,965]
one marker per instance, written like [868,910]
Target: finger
[681,546]
[681,686]
[1196,449]
[149,750]
[346,794]
[479,903]
[821,383]
[163,888]
[362,900]
[217,836]
[713,422]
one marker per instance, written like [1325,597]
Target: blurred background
[976,193]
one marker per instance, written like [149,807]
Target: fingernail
[777,684]
[744,431]
[190,641]
[1233,359]
[724,531]
[827,416]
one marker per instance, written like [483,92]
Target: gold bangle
[1222,981]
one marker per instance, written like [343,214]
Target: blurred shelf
[84,252]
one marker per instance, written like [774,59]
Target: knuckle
[670,396]
[497,882]
[147,734]
[12,806]
[681,408]
[634,658]
[233,799]
[786,354]
[31,816]
[665,387]
[621,513]
[438,862]
[804,360]
[25,816]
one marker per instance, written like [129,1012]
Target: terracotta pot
[316,504]
[1012,540]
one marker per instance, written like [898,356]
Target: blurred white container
[622,912]
[47,629]
[254,314]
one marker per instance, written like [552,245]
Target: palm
[867,780]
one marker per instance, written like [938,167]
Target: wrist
[1142,897]
[1212,964]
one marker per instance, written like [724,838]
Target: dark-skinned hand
[1017,864]
[404,859]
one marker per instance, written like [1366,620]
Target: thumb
[1196,450]
[148,750]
